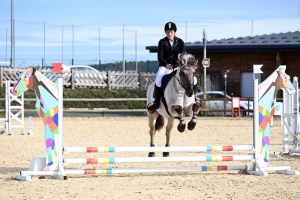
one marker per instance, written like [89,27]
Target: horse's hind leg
[193,122]
[168,134]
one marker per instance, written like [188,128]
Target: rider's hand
[169,66]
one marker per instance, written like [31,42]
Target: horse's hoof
[191,125]
[181,128]
[151,154]
[166,154]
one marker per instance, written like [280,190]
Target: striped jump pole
[157,159]
[135,170]
[112,149]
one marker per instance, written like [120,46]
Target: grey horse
[178,100]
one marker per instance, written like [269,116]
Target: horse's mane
[187,59]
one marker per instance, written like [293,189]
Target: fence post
[72,79]
[108,80]
[1,76]
[140,81]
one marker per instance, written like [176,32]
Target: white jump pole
[61,174]
[111,149]
[137,170]
[158,159]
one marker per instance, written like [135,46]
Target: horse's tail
[159,123]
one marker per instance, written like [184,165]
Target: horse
[47,107]
[268,90]
[178,100]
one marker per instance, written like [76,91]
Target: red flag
[57,67]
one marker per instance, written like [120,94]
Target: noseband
[180,81]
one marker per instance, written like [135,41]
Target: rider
[168,49]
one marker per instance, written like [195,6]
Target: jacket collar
[167,42]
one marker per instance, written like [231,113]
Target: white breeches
[161,72]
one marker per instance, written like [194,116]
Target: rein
[179,81]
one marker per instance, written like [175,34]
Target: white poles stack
[291,132]
[14,114]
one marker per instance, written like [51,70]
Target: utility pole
[252,28]
[62,43]
[12,64]
[99,51]
[44,64]
[204,57]
[185,31]
[136,65]
[123,51]
[6,47]
[72,44]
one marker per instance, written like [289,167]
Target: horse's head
[25,82]
[284,80]
[187,67]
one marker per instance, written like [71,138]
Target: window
[219,96]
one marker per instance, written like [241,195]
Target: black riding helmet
[170,26]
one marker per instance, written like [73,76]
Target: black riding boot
[157,95]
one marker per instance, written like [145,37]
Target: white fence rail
[102,79]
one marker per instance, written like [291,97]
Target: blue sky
[220,19]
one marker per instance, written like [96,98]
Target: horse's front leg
[181,126]
[195,108]
[168,134]
[151,123]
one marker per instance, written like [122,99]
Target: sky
[91,30]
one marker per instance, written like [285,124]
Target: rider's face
[170,34]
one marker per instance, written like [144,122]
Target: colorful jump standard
[261,139]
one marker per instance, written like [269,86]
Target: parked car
[88,75]
[219,105]
[82,77]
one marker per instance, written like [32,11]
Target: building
[238,56]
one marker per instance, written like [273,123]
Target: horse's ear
[182,62]
[196,64]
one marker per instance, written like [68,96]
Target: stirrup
[152,108]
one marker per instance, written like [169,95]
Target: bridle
[181,83]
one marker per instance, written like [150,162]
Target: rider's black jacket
[168,54]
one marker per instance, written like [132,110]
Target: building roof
[289,41]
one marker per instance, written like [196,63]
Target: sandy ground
[17,151]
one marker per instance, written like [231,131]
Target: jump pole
[158,159]
[138,170]
[112,149]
